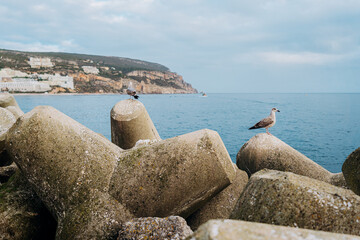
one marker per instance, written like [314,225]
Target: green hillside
[18,59]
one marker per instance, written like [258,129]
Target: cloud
[311,58]
[31,47]
[197,38]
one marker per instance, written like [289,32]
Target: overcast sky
[217,46]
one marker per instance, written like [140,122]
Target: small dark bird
[267,122]
[131,91]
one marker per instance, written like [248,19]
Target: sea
[324,127]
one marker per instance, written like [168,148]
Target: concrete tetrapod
[221,205]
[241,230]
[91,186]
[351,170]
[172,227]
[265,151]
[7,100]
[130,123]
[7,119]
[284,198]
[69,167]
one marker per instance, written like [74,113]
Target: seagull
[131,91]
[267,122]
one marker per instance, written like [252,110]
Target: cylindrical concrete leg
[130,123]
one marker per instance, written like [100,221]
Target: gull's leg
[267,131]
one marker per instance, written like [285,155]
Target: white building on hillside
[28,86]
[90,69]
[8,72]
[40,62]
[57,80]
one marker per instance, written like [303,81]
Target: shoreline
[69,94]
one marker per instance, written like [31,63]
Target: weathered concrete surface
[7,99]
[69,167]
[265,151]
[284,198]
[351,171]
[22,214]
[16,111]
[7,119]
[338,179]
[222,205]
[172,227]
[130,122]
[241,230]
[84,179]
[175,176]
[7,171]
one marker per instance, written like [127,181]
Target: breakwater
[90,188]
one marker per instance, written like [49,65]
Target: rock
[221,205]
[351,171]
[16,111]
[7,99]
[172,227]
[7,171]
[241,230]
[130,123]
[7,119]
[338,179]
[69,167]
[175,176]
[85,180]
[284,198]
[265,151]
[22,214]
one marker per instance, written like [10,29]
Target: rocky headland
[80,73]
[60,180]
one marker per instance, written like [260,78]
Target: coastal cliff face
[147,82]
[79,73]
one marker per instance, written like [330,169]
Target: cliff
[93,74]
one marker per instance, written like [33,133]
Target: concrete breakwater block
[130,122]
[9,112]
[174,176]
[242,230]
[91,186]
[7,119]
[265,151]
[284,198]
[69,167]
[222,204]
[351,171]
[173,227]
[7,100]
[16,111]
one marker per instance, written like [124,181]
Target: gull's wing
[263,123]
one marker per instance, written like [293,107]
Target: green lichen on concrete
[8,188]
[131,157]
[22,214]
[205,142]
[284,198]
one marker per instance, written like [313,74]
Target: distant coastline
[69,94]
[33,72]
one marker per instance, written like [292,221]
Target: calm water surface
[324,127]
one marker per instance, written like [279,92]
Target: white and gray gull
[131,91]
[267,122]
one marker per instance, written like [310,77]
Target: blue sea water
[324,127]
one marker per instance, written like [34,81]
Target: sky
[223,46]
